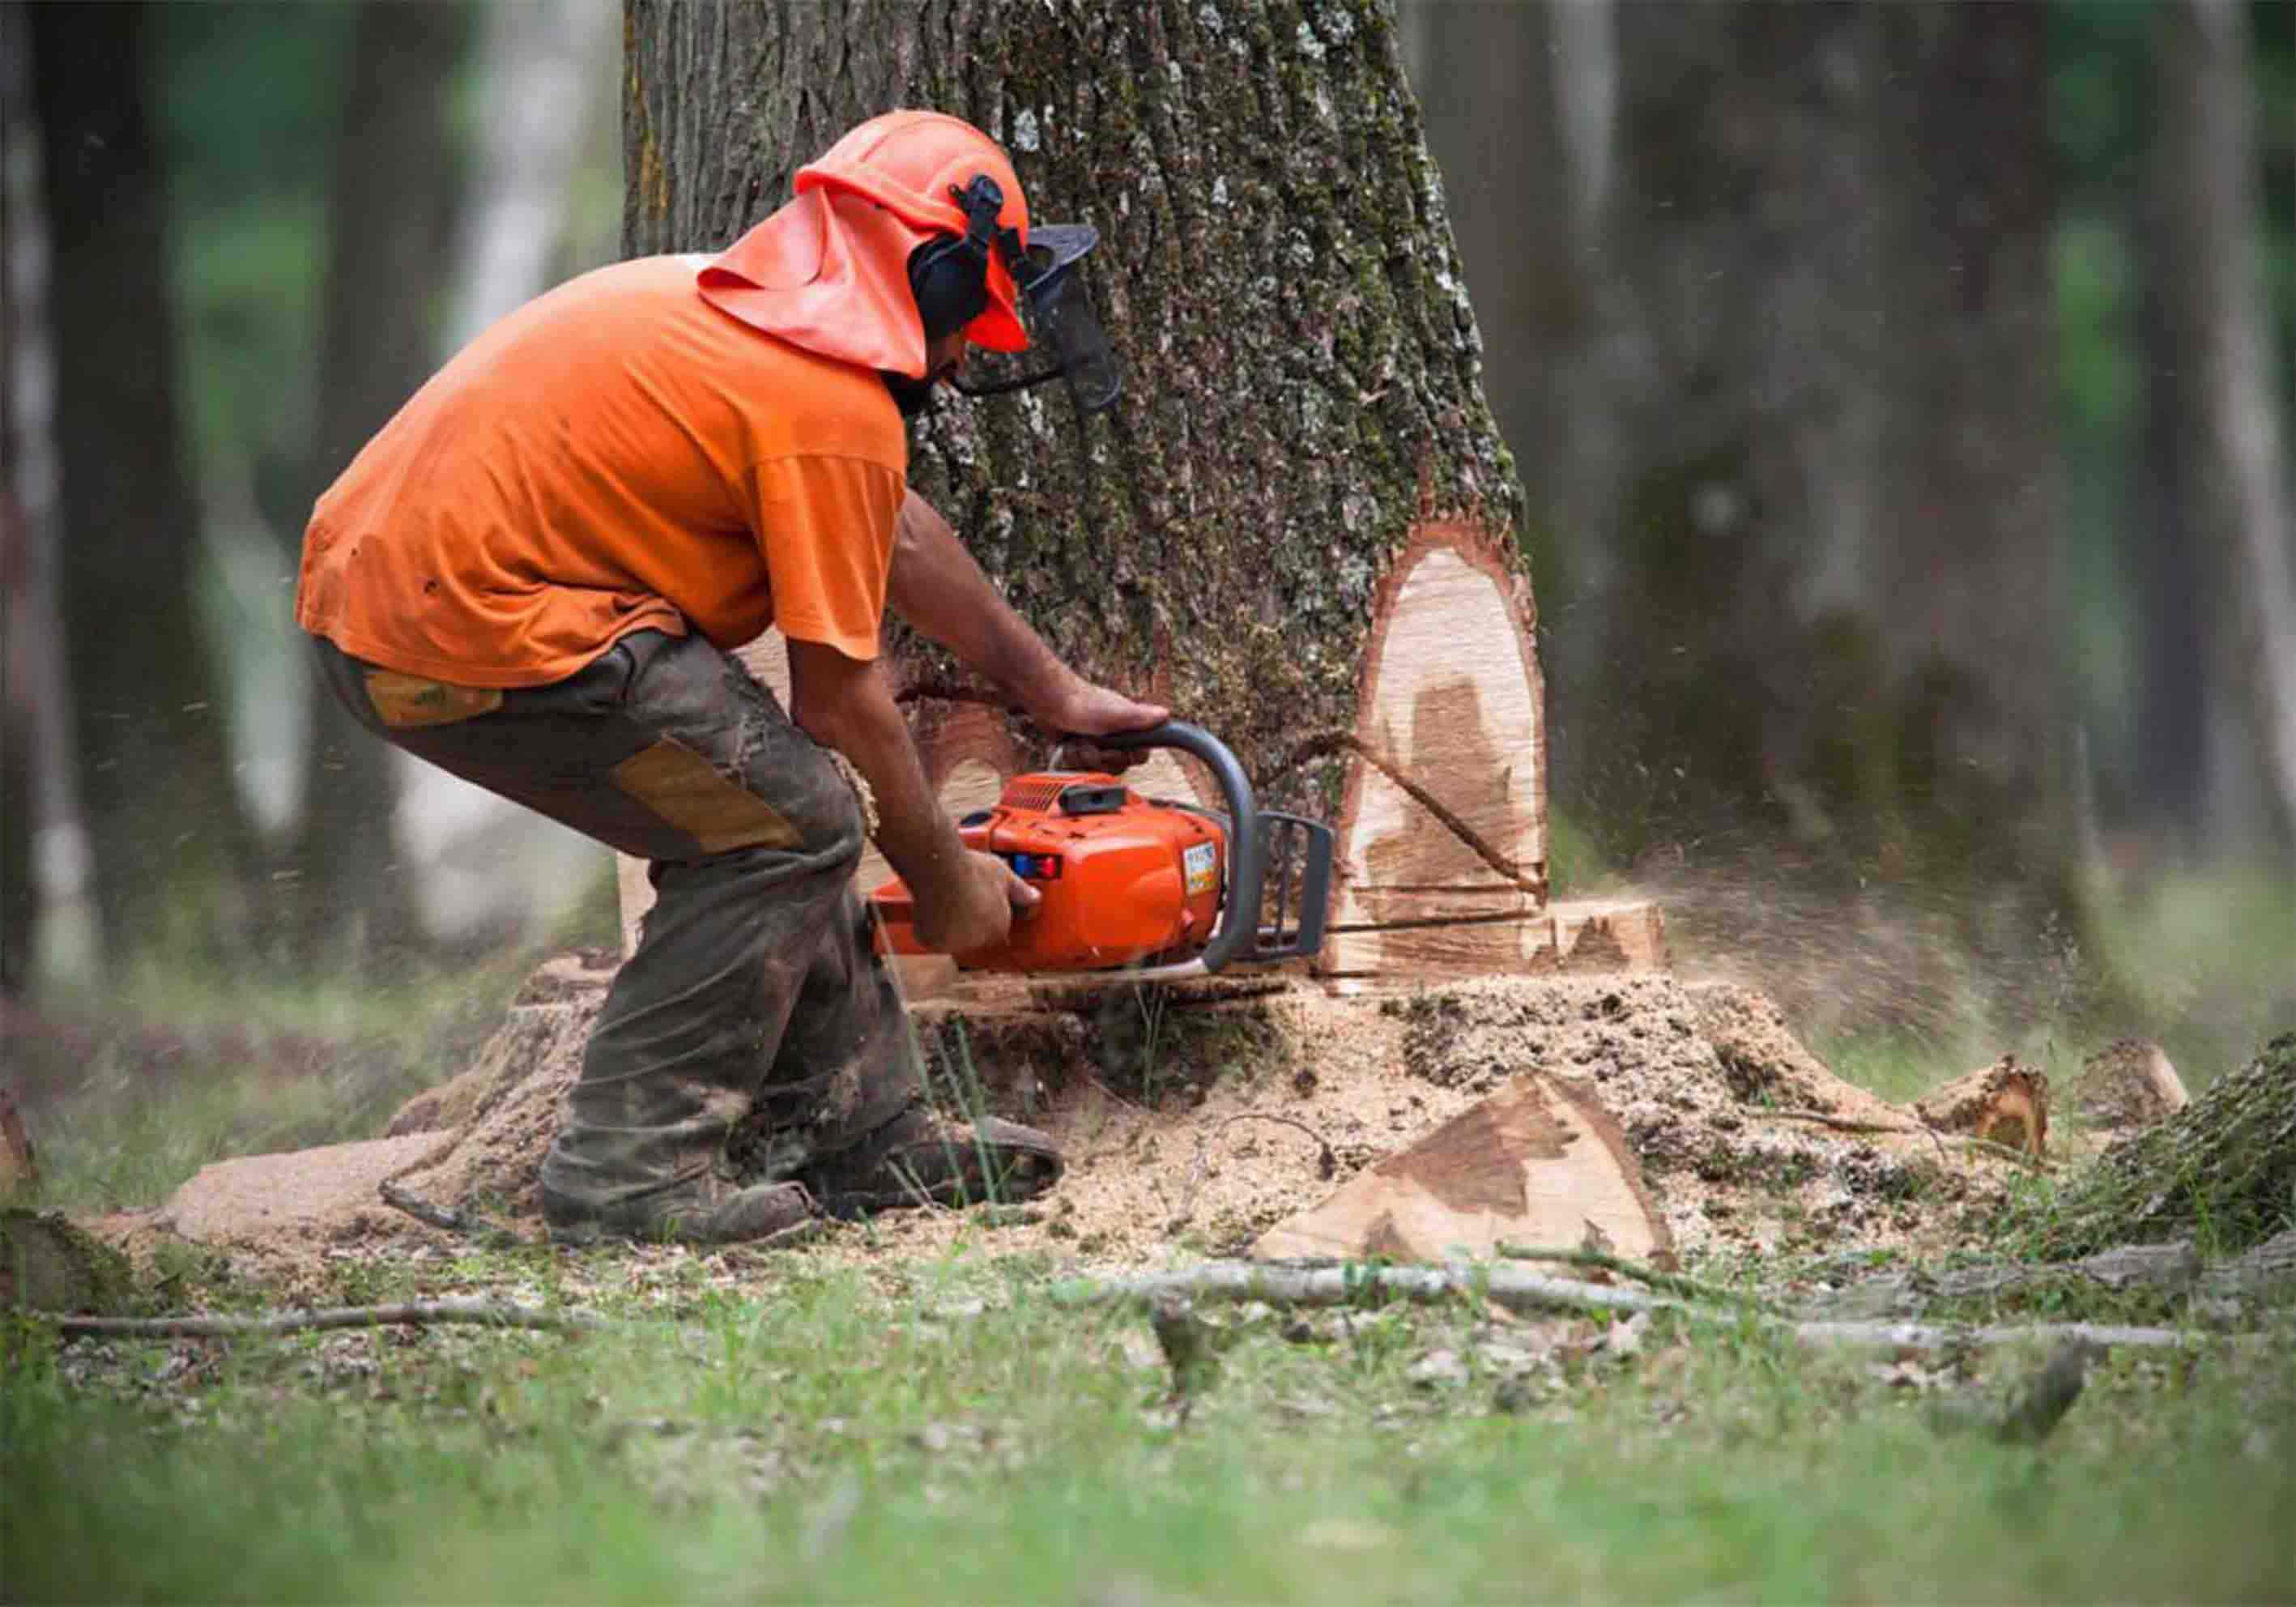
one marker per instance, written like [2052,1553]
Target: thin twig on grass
[488,1314]
[492,1233]
[1689,1288]
[1843,1124]
[1327,1160]
[1316,1283]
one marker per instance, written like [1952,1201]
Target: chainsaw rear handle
[1238,932]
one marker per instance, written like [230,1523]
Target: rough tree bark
[169,838]
[1300,523]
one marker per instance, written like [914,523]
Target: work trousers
[755,982]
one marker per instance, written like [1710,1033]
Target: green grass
[772,1428]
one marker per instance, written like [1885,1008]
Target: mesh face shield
[1060,316]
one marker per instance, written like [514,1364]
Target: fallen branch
[1688,1288]
[492,1234]
[1843,1124]
[1295,1283]
[1323,743]
[486,1314]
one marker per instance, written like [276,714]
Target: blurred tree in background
[1900,390]
[172,858]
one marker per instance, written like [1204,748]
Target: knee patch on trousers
[689,792]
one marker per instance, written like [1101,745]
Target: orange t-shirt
[617,454]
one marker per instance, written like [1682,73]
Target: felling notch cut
[1442,828]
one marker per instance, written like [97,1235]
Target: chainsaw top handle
[1238,931]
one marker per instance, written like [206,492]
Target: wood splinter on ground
[2006,1102]
[1541,1160]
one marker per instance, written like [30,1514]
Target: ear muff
[949,276]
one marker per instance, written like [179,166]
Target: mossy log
[1300,526]
[48,1264]
[2223,1168]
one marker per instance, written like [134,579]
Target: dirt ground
[1195,1122]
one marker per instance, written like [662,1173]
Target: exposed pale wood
[1451,698]
[1610,935]
[2007,1103]
[923,977]
[1540,1160]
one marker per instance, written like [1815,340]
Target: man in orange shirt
[532,578]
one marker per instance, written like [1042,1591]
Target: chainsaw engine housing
[1125,880]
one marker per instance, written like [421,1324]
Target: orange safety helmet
[916,165]
[830,271]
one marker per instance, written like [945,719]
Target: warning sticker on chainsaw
[1201,863]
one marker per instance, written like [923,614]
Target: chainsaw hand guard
[1258,844]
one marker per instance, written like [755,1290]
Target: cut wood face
[1452,701]
[1539,1164]
[2005,1103]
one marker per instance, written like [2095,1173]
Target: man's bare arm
[938,587]
[964,900]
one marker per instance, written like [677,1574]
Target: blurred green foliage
[248,98]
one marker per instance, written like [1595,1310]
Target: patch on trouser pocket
[686,791]
[402,700]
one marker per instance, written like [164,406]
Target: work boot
[919,1158]
[700,1210]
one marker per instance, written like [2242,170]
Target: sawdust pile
[1194,1123]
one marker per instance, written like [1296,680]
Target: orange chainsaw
[1167,890]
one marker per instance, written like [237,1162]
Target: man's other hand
[1082,710]
[983,899]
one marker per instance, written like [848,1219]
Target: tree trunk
[170,843]
[2222,432]
[2223,1168]
[1299,526]
[390,206]
[48,930]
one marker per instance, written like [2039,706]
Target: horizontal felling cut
[1443,827]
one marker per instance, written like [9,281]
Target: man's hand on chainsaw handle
[990,897]
[935,586]
[964,900]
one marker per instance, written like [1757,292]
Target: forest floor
[789,1426]
[911,1410]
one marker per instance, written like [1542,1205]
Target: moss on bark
[2222,1169]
